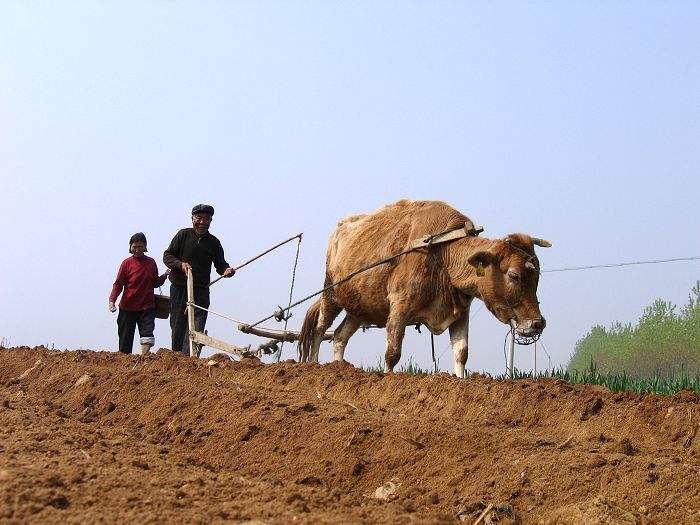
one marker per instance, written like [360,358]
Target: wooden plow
[198,339]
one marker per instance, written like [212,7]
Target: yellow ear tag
[480,270]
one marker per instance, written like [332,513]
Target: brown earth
[102,437]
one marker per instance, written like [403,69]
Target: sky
[576,122]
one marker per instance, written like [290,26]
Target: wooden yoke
[468,230]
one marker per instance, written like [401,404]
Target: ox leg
[342,334]
[326,317]
[459,337]
[395,329]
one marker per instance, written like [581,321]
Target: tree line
[664,343]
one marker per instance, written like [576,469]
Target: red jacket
[137,276]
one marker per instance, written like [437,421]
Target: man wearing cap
[193,249]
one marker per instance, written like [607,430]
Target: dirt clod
[626,447]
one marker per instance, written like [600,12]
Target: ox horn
[530,266]
[541,242]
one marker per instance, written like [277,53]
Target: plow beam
[288,336]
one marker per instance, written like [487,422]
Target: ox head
[509,273]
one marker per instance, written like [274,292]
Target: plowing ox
[434,286]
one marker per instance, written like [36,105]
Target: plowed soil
[102,437]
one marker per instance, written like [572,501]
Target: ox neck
[462,275]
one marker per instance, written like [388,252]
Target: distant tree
[663,343]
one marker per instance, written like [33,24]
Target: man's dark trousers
[178,317]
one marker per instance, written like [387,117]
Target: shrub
[663,344]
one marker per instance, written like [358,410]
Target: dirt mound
[88,437]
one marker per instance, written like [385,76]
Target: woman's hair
[137,237]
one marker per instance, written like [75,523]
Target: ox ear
[481,258]
[541,242]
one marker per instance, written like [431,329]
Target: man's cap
[203,208]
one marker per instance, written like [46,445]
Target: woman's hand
[111,307]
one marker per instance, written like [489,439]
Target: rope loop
[279,315]
[525,340]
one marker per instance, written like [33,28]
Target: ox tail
[308,329]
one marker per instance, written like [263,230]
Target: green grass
[616,382]
[410,368]
[620,382]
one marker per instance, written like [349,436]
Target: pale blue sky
[578,122]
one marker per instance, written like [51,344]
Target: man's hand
[228,272]
[186,266]
[111,307]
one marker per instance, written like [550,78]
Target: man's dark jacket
[199,251]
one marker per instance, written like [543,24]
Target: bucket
[162,306]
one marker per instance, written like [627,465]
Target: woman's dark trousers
[127,320]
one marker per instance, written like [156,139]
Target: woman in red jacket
[137,277]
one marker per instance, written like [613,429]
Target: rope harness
[468,230]
[297,236]
[278,353]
